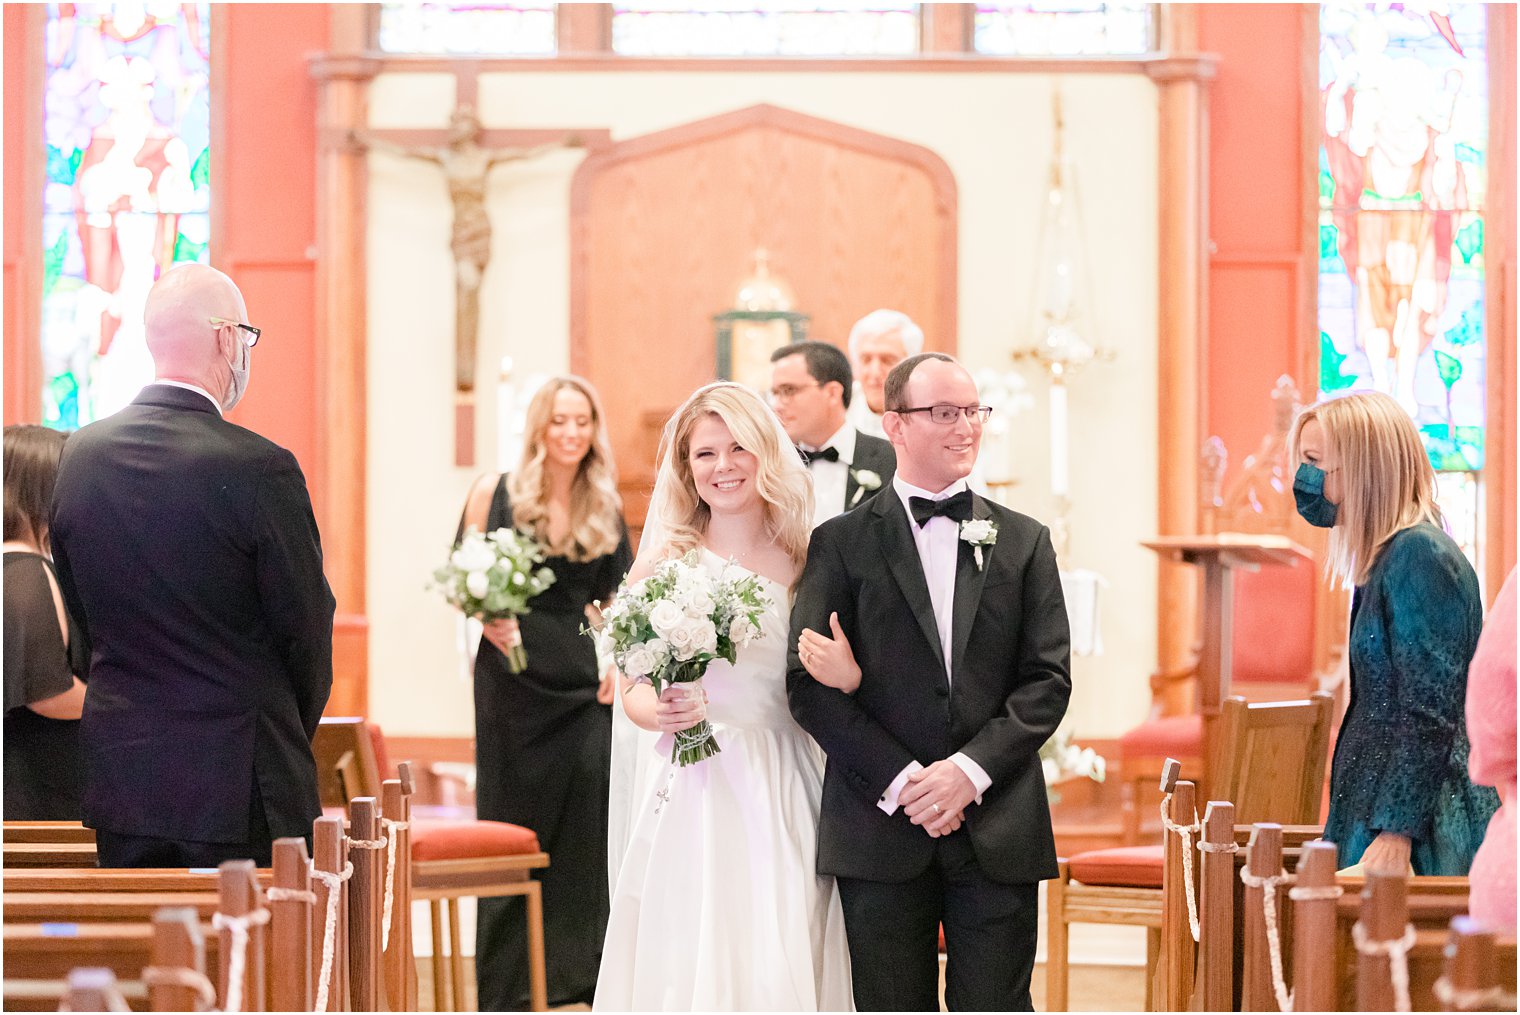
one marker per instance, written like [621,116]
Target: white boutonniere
[865,480]
[979,532]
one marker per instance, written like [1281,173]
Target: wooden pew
[1222,854]
[46,831]
[47,854]
[1317,921]
[93,990]
[1474,973]
[116,930]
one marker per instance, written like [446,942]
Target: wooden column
[946,28]
[583,29]
[1182,83]
[342,87]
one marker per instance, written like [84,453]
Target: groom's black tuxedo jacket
[1011,680]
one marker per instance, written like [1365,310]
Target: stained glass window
[1064,29]
[1403,169]
[126,124]
[844,27]
[524,28]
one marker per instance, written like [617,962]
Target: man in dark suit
[944,612]
[810,390]
[187,548]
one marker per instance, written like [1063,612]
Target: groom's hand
[935,797]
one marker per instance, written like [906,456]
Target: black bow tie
[824,455]
[956,508]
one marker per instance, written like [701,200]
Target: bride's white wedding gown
[715,904]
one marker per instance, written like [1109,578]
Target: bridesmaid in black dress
[543,736]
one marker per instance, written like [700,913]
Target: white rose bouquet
[492,576]
[667,628]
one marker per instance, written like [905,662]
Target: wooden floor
[1093,988]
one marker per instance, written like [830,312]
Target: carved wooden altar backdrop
[664,227]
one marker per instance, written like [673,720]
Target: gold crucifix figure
[466,166]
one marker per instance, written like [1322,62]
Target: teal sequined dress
[1401,757]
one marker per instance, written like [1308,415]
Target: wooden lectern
[1218,557]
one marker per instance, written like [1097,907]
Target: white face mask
[240,366]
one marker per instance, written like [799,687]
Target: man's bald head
[185,345]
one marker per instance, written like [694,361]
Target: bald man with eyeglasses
[187,547]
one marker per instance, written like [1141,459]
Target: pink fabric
[1491,728]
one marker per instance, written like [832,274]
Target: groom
[934,808]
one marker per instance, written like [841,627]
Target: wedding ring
[936,808]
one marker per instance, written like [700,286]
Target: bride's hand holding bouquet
[667,628]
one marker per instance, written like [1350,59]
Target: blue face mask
[1309,495]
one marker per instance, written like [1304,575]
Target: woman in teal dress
[1399,790]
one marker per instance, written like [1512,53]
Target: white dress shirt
[195,388]
[938,542]
[831,479]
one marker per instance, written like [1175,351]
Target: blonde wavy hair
[596,509]
[1387,483]
[780,478]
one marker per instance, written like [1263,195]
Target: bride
[715,902]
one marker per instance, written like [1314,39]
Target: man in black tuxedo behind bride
[930,659]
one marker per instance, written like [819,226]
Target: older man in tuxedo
[930,659]
[810,390]
[187,547]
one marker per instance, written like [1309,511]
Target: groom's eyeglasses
[945,415]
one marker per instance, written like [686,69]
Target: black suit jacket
[872,454]
[186,547]
[1011,663]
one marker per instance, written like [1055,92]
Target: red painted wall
[267,225]
[1256,206]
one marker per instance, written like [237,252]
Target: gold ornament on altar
[762,320]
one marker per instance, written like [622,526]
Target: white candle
[1059,483]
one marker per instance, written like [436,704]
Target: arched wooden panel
[665,227]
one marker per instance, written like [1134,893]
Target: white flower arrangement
[1060,759]
[866,481]
[979,532]
[667,628]
[492,576]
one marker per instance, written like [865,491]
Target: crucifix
[466,153]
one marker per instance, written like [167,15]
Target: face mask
[238,383]
[1309,495]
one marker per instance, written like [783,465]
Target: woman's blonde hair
[596,509]
[780,478]
[1387,483]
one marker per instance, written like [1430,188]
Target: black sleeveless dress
[543,750]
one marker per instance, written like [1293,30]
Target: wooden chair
[1124,884]
[451,860]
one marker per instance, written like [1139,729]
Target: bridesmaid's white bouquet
[492,576]
[667,628]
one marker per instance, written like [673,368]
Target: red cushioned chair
[451,859]
[1123,885]
[1273,660]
